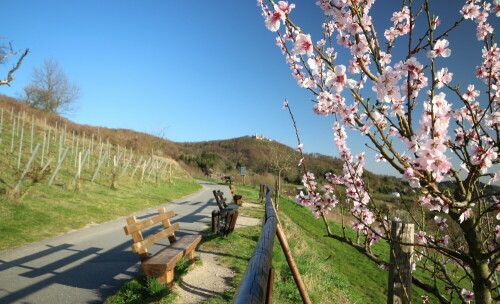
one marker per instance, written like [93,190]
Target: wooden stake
[136,167]
[43,147]
[99,166]
[32,132]
[20,149]
[400,266]
[13,136]
[58,166]
[291,261]
[78,171]
[26,168]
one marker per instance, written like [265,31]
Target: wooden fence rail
[255,283]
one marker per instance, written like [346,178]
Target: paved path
[89,265]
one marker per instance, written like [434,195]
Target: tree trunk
[479,264]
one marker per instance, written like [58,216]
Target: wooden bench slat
[136,247]
[169,256]
[147,222]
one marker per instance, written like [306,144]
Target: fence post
[400,264]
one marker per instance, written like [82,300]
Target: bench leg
[190,257]
[168,278]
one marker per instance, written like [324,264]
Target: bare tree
[7,51]
[50,89]
[280,162]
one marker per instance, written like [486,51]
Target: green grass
[141,290]
[52,210]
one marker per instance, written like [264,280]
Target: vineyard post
[48,140]
[146,163]
[99,166]
[153,166]
[109,152]
[136,167]
[83,143]
[43,147]
[26,168]
[20,149]
[400,278]
[100,148]
[32,132]
[113,172]
[73,144]
[60,147]
[78,171]
[77,147]
[58,166]
[19,116]
[127,164]
[13,136]
[65,133]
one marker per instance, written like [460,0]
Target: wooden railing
[256,285]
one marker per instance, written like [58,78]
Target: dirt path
[211,278]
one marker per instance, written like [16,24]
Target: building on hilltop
[261,137]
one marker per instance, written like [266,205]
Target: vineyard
[34,151]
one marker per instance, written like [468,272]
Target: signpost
[242,173]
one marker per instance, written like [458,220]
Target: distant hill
[256,154]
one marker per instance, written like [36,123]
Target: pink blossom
[470,11]
[285,7]
[471,94]
[443,77]
[439,49]
[380,158]
[410,177]
[303,45]
[465,215]
[435,23]
[496,8]
[497,231]
[421,237]
[337,79]
[273,19]
[445,240]
[441,222]
[467,295]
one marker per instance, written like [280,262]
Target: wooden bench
[238,199]
[161,264]
[224,221]
[221,201]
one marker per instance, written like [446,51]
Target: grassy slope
[51,210]
[47,211]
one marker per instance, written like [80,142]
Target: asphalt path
[89,265]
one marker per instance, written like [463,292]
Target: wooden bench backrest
[219,198]
[134,228]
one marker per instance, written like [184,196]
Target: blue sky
[191,71]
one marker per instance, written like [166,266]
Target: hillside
[219,157]
[226,156]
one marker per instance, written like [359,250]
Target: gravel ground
[211,278]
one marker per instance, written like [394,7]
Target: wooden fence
[256,285]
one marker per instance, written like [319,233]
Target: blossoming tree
[460,248]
